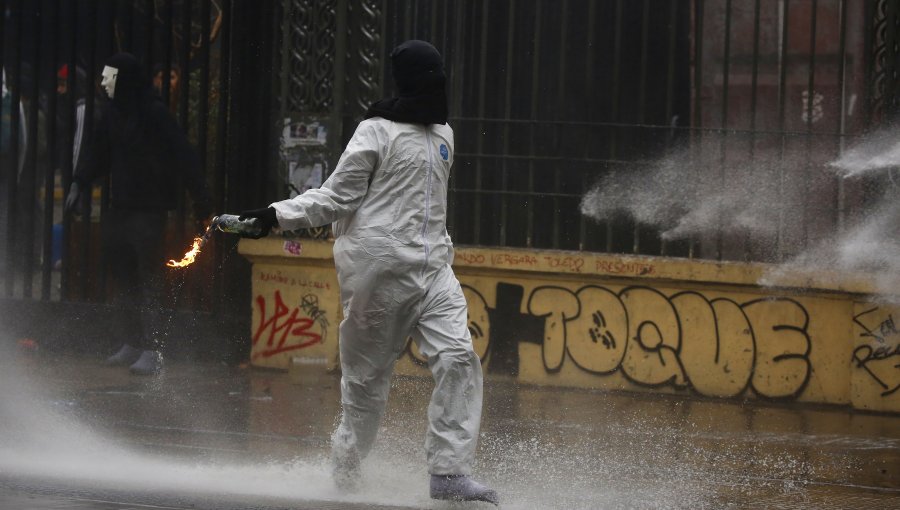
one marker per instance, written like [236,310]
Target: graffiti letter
[510,327]
[716,344]
[653,338]
[782,346]
[290,326]
[556,305]
[479,321]
[598,336]
[878,349]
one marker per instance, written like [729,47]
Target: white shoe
[127,355]
[461,488]
[345,463]
[149,363]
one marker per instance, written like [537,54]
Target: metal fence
[550,99]
[52,52]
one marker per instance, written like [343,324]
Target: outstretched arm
[343,191]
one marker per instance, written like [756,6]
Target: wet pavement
[77,435]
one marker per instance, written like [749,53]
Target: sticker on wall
[303,133]
[293,247]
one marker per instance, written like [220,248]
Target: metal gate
[550,97]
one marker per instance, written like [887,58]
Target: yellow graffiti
[716,347]
[559,306]
[717,350]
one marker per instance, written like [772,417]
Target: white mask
[108,82]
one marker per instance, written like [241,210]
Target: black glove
[73,198]
[264,217]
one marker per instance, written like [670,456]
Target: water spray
[228,223]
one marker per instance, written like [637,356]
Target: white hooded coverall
[387,199]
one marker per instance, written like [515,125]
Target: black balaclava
[419,77]
[133,88]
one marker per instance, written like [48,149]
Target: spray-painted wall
[617,323]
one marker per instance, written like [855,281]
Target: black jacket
[137,142]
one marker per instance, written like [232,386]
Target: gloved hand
[73,197]
[265,218]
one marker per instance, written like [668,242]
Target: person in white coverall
[387,200]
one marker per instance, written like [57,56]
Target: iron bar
[85,232]
[614,106]
[695,129]
[507,108]
[31,167]
[531,205]
[15,134]
[726,74]
[341,43]
[456,78]
[53,20]
[68,164]
[221,163]
[165,83]
[510,192]
[558,132]
[754,92]
[105,42]
[149,17]
[128,21]
[642,102]
[810,99]
[184,61]
[432,34]
[7,275]
[842,51]
[670,87]
[589,110]
[479,144]
[698,94]
[782,92]
[183,90]
[203,88]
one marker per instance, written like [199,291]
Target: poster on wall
[303,133]
[304,156]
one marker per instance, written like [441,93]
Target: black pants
[134,254]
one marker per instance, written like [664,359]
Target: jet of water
[875,152]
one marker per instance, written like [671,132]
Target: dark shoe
[127,355]
[461,488]
[149,363]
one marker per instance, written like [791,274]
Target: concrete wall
[615,322]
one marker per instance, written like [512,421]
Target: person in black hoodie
[139,145]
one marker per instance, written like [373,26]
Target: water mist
[754,199]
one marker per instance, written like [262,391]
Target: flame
[190,256]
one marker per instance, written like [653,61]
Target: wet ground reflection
[210,430]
